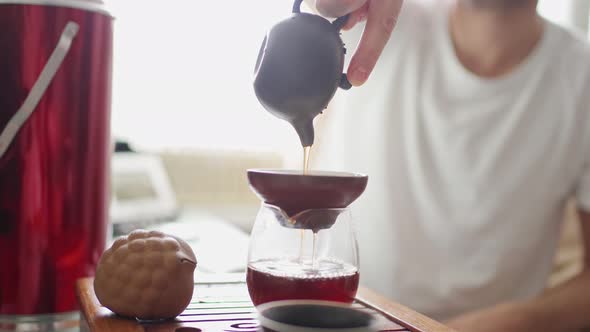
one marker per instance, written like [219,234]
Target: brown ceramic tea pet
[146,275]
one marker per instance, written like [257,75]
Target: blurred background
[182,99]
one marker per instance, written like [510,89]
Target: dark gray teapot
[299,69]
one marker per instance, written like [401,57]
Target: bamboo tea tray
[226,307]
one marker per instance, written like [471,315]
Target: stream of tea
[306,152]
[306,155]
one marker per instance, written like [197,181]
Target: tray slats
[227,308]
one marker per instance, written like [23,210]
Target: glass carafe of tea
[303,243]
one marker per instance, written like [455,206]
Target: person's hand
[381,16]
[505,317]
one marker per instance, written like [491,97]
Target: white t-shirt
[467,176]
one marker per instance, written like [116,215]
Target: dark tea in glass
[275,280]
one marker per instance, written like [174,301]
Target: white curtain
[570,13]
[580,12]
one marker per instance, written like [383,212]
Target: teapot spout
[304,129]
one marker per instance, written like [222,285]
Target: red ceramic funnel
[294,192]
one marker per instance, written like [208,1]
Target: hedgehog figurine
[146,275]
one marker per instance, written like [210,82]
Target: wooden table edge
[90,307]
[400,314]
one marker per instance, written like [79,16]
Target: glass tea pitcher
[287,262]
[303,243]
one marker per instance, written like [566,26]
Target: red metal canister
[55,99]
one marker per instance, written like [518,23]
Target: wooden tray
[226,307]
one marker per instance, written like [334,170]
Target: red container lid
[89,5]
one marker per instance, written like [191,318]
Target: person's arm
[381,17]
[564,308]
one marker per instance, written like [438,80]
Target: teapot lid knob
[297,6]
[338,23]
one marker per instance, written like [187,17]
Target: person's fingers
[381,20]
[337,8]
[356,17]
